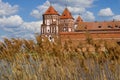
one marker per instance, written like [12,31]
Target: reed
[22,59]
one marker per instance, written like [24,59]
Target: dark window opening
[85,27]
[110,27]
[48,30]
[118,43]
[99,26]
[116,26]
[50,38]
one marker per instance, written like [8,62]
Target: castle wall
[65,26]
[83,35]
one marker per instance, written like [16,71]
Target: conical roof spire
[51,11]
[66,14]
[79,19]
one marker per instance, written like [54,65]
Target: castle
[65,26]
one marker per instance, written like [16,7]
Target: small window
[99,26]
[116,26]
[109,26]
[85,27]
[118,43]
[50,38]
[48,30]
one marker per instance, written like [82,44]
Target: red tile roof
[50,11]
[79,19]
[66,14]
[99,25]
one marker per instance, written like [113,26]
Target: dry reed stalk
[45,60]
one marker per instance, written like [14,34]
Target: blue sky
[22,18]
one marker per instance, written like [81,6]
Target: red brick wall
[82,36]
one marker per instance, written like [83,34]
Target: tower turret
[50,22]
[66,21]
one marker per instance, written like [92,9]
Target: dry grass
[44,60]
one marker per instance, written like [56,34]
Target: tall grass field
[41,59]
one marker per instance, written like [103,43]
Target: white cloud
[6,9]
[28,29]
[116,17]
[15,26]
[88,16]
[74,3]
[14,20]
[75,6]
[76,10]
[12,25]
[106,12]
[32,26]
[37,13]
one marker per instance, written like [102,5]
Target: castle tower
[50,22]
[66,21]
[78,21]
